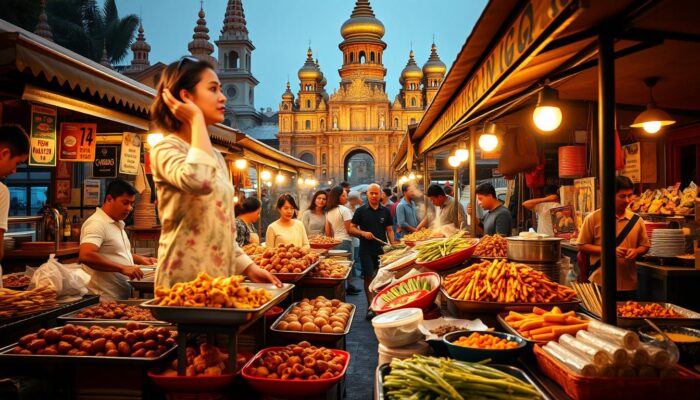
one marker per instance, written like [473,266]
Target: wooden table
[16,260]
[677,285]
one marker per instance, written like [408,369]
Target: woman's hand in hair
[185,111]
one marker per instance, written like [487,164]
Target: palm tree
[79,25]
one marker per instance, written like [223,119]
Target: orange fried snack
[219,292]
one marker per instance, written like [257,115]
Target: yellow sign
[537,18]
[43,136]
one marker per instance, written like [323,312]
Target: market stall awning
[30,52]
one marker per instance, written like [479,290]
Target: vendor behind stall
[406,215]
[497,218]
[104,245]
[14,149]
[247,214]
[445,210]
[631,240]
[541,207]
[287,229]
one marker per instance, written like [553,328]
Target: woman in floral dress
[195,195]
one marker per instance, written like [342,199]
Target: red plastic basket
[422,302]
[284,388]
[451,261]
[686,386]
[193,384]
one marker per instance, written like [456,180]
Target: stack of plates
[650,227]
[667,243]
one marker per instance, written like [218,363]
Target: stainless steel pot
[541,250]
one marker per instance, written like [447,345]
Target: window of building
[322,124]
[308,103]
[413,86]
[296,125]
[251,95]
[396,122]
[29,190]
[307,124]
[323,158]
[231,92]
[352,58]
[308,157]
[285,107]
[362,57]
[233,60]
[371,57]
[413,102]
[413,120]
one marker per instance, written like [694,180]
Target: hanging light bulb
[235,199]
[241,163]
[652,119]
[300,181]
[411,176]
[153,138]
[488,141]
[462,153]
[266,175]
[279,178]
[453,161]
[547,115]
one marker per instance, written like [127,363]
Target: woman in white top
[287,229]
[338,219]
[314,219]
[195,195]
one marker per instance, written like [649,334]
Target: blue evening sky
[281,30]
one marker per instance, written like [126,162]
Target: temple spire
[234,21]
[43,28]
[200,46]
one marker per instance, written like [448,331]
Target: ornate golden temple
[353,134]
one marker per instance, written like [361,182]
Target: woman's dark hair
[312,207]
[334,197]
[287,198]
[183,74]
[249,205]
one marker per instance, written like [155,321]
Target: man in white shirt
[541,207]
[105,248]
[14,149]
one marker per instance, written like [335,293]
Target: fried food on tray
[219,292]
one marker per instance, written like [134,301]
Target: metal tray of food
[311,336]
[292,277]
[690,318]
[325,282]
[219,316]
[488,307]
[20,287]
[72,317]
[14,359]
[384,370]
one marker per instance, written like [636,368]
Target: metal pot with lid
[535,250]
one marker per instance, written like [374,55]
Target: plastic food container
[399,327]
[423,301]
[386,354]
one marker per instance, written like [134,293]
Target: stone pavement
[362,345]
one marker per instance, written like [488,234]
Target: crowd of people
[201,232]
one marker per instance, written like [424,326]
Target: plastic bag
[66,279]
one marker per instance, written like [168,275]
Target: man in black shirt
[372,224]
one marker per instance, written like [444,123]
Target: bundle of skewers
[590,296]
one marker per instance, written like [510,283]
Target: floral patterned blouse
[195,204]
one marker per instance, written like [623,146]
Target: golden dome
[309,70]
[434,65]
[411,71]
[362,22]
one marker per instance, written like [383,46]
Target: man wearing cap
[372,224]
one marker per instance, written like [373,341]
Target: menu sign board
[105,165]
[91,192]
[43,136]
[78,141]
[563,224]
[130,154]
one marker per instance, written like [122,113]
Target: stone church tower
[238,83]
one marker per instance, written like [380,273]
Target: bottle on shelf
[66,229]
[75,229]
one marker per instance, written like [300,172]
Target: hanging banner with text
[105,165]
[43,136]
[130,154]
[91,192]
[78,141]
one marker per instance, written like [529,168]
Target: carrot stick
[532,325]
[543,337]
[539,311]
[574,321]
[539,331]
[570,329]
[554,318]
